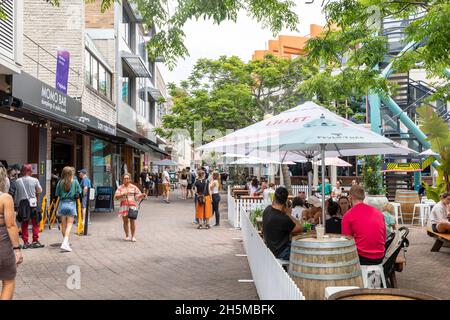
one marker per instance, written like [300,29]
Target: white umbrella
[325,136]
[428,153]
[253,160]
[334,161]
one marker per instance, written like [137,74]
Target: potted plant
[254,215]
[373,181]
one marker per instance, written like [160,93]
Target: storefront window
[102,163]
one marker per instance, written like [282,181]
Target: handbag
[133,211]
[201,197]
[32,201]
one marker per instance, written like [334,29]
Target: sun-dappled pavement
[170,260]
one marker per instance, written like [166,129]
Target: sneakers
[36,244]
[66,247]
[200,226]
[26,246]
[133,239]
[127,238]
[207,226]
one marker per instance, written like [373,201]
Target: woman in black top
[203,201]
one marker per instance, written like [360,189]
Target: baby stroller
[396,241]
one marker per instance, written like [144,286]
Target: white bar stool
[424,212]
[398,211]
[373,276]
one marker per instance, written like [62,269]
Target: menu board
[104,199]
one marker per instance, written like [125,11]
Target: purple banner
[62,70]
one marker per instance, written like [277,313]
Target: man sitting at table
[439,216]
[278,225]
[366,225]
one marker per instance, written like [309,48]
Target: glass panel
[102,165]
[108,85]
[94,73]
[87,67]
[102,79]
[125,90]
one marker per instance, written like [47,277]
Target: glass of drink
[320,231]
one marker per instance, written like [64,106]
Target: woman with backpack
[68,190]
[203,201]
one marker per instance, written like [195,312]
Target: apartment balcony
[11,33]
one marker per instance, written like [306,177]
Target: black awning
[55,117]
[136,145]
[152,146]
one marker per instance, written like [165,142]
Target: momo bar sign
[40,97]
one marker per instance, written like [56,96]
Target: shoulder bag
[133,211]
[201,197]
[31,200]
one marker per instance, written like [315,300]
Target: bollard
[86,218]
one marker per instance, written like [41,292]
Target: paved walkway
[170,260]
[425,271]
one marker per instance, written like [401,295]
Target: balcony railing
[41,63]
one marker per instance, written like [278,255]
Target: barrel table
[407,200]
[381,294]
[319,263]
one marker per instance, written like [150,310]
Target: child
[333,225]
[389,212]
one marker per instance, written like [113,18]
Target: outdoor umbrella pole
[322,149]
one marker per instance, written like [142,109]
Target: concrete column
[48,157]
[87,154]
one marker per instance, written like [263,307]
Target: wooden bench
[441,239]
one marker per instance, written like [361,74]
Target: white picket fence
[296,188]
[270,279]
[235,205]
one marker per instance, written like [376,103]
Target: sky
[206,40]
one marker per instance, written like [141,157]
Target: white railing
[296,188]
[269,277]
[232,210]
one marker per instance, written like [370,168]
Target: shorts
[189,186]
[84,201]
[433,227]
[146,185]
[166,187]
[67,208]
[184,183]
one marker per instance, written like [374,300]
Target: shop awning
[136,64]
[154,93]
[136,145]
[55,117]
[155,148]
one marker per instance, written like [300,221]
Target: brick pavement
[170,260]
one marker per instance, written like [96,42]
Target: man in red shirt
[366,225]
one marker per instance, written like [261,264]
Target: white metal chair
[398,211]
[424,213]
[373,276]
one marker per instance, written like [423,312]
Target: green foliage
[229,94]
[254,214]
[349,52]
[438,134]
[372,176]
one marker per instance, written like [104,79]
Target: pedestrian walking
[128,194]
[166,184]
[26,198]
[10,254]
[191,180]
[183,184]
[203,201]
[145,180]
[68,190]
[214,189]
[85,185]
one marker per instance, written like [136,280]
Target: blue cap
[82,171]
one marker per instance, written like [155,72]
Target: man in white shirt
[439,216]
[166,184]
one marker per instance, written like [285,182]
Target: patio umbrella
[253,160]
[165,162]
[428,153]
[324,136]
[334,161]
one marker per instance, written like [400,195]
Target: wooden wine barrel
[407,200]
[381,294]
[316,264]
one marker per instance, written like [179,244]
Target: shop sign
[97,124]
[407,167]
[104,199]
[36,93]
[62,70]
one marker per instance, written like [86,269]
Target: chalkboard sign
[104,199]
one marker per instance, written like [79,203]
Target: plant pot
[377,201]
